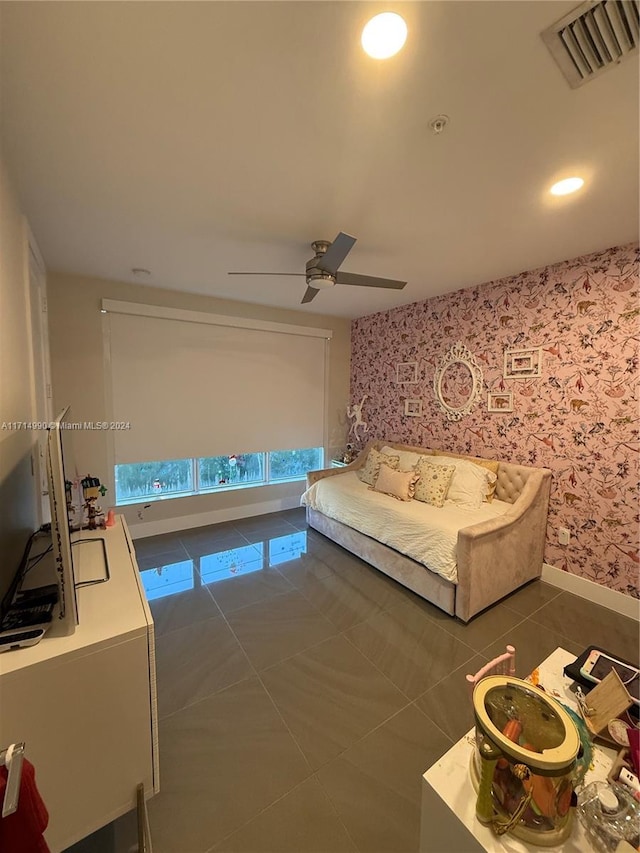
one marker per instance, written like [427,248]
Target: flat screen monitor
[59,438]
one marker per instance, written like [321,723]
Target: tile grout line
[262,684]
[278,799]
[291,735]
[521,621]
[435,625]
[382,673]
[559,630]
[449,674]
[204,698]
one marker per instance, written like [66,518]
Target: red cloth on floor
[21,832]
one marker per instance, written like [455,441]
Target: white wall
[18,513]
[78,380]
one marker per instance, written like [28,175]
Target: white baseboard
[623,604]
[201,519]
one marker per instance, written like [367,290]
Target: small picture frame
[413,408]
[500,401]
[407,372]
[522,363]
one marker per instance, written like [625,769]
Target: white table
[85,704]
[449,777]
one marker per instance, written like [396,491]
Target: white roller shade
[196,389]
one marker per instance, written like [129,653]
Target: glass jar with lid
[524,764]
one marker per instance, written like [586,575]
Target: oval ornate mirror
[457,382]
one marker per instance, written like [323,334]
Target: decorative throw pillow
[490,464]
[470,483]
[375,458]
[408,458]
[397,484]
[434,481]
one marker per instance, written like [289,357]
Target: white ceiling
[197,138]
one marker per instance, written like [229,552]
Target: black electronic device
[34,597]
[599,664]
[574,671]
[21,639]
[17,618]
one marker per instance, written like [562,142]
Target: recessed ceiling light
[569,185]
[384,35]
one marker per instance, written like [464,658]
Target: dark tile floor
[302,693]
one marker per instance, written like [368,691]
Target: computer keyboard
[24,638]
[24,617]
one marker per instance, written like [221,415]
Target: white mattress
[423,532]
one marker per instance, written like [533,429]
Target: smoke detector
[438,124]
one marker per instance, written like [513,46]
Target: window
[230,470]
[292,464]
[147,481]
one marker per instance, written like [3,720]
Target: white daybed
[461,560]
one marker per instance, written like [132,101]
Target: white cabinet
[85,705]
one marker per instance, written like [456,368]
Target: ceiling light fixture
[384,35]
[568,185]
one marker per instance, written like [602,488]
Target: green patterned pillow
[434,481]
[371,468]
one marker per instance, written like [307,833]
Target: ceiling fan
[322,269]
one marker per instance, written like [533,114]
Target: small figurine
[347,456]
[72,508]
[91,488]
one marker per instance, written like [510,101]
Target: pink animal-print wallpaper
[579,418]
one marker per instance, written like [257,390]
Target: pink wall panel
[580,418]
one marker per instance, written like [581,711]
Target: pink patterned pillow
[397,484]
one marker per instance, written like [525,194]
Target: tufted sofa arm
[499,555]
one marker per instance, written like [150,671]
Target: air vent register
[594,37]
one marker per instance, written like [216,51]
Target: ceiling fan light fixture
[323,269]
[384,35]
[320,282]
[568,185]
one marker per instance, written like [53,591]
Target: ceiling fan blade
[368,281]
[267,273]
[336,253]
[309,294]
